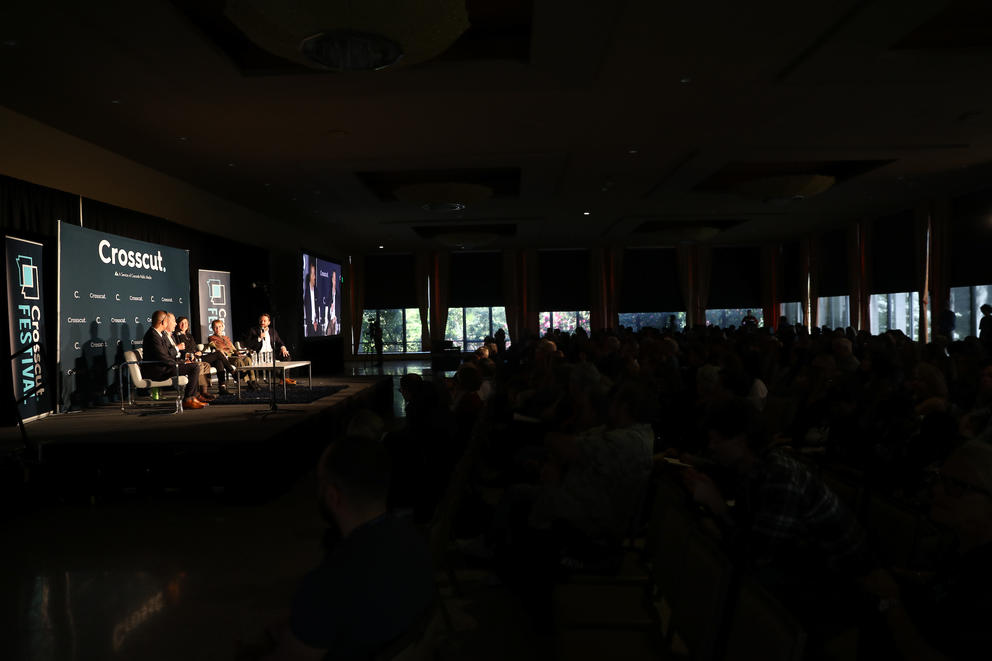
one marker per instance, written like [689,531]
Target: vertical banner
[26,312]
[214,301]
[109,286]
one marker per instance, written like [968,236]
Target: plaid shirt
[783,509]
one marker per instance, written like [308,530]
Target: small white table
[281,367]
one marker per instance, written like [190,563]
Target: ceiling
[593,123]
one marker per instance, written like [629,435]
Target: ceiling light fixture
[631,151]
[585,213]
[685,80]
[381,247]
[350,36]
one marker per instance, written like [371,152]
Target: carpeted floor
[298,394]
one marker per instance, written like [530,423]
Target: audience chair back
[892,532]
[699,604]
[762,628]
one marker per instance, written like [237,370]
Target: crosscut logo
[130,258]
[115,320]
[76,320]
[102,297]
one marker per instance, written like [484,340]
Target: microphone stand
[273,407]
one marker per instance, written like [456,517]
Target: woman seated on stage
[223,346]
[214,359]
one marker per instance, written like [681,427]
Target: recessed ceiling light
[381,247]
[585,213]
[182,138]
[115,101]
[230,165]
[685,80]
[632,151]
[443,206]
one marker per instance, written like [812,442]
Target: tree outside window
[658,320]
[732,317]
[565,321]
[401,330]
[468,327]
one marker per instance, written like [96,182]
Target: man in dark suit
[313,304]
[264,338]
[156,347]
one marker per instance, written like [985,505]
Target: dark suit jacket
[308,319]
[157,347]
[255,344]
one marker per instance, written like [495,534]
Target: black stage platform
[230,446]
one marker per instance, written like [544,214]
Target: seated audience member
[786,525]
[985,325]
[945,616]
[467,404]
[376,580]
[595,481]
[264,339]
[223,346]
[408,386]
[213,359]
[366,424]
[185,355]
[161,363]
[500,337]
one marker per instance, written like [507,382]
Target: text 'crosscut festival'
[130,258]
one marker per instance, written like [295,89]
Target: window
[792,311]
[896,312]
[659,320]
[732,317]
[967,303]
[834,311]
[564,321]
[400,330]
[468,327]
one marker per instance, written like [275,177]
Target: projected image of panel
[321,297]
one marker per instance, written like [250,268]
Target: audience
[376,579]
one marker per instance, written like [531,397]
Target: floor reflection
[91,614]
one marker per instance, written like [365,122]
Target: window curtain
[771,279]
[938,273]
[564,281]
[356,299]
[607,265]
[694,276]
[809,265]
[439,264]
[422,269]
[857,275]
[921,228]
[519,282]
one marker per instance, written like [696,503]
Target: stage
[221,446]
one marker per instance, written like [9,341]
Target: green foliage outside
[659,320]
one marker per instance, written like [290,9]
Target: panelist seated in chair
[223,346]
[264,338]
[184,355]
[160,361]
[214,359]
